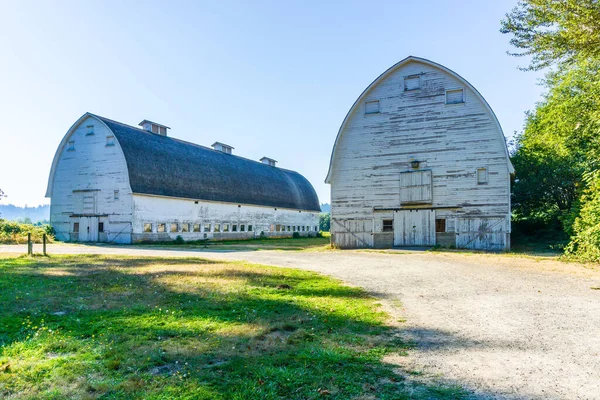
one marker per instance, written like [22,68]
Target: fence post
[29,247]
[44,239]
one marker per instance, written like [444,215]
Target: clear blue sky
[270,78]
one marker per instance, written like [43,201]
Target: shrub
[585,243]
[12,232]
[296,235]
[179,240]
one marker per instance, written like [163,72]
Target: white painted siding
[452,141]
[83,185]
[156,209]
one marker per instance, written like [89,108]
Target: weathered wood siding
[84,183]
[158,210]
[383,160]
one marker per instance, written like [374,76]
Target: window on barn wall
[154,129]
[196,227]
[148,227]
[455,96]
[163,130]
[71,146]
[233,228]
[100,226]
[89,130]
[116,195]
[207,227]
[242,228]
[161,228]
[412,82]
[174,227]
[388,225]
[372,107]
[75,227]
[185,227]
[217,227]
[440,225]
[249,228]
[415,187]
[316,229]
[482,176]
[110,140]
[225,227]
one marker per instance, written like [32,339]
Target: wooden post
[44,240]
[29,247]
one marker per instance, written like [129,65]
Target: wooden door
[481,233]
[88,229]
[414,228]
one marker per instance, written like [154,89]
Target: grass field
[291,244]
[158,328]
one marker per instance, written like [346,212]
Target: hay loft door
[414,228]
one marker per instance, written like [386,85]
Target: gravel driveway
[499,326]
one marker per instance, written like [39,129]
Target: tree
[324,222]
[554,31]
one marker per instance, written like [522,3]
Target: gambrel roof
[165,166]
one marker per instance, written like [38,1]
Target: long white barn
[420,160]
[111,182]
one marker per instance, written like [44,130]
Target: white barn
[420,160]
[111,182]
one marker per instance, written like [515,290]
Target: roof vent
[268,161]
[222,147]
[154,127]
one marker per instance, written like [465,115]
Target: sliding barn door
[414,228]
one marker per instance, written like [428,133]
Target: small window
[196,227]
[154,129]
[75,227]
[455,96]
[71,146]
[174,227]
[440,225]
[372,107]
[225,227]
[249,228]
[148,227]
[163,130]
[242,228]
[294,228]
[161,228]
[308,228]
[482,176]
[185,227]
[316,229]
[388,225]
[233,228]
[206,227]
[217,227]
[278,228]
[110,140]
[289,228]
[412,82]
[89,130]
[100,226]
[116,195]
[303,229]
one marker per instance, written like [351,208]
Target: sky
[270,78]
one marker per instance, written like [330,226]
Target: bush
[585,243]
[12,232]
[296,235]
[179,240]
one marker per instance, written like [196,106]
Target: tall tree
[554,31]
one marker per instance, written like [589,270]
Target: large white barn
[111,182]
[420,160]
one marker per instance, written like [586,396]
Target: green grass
[160,328]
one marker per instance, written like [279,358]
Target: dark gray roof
[164,166]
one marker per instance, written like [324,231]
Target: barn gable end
[420,159]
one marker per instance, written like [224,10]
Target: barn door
[481,233]
[414,228]
[88,229]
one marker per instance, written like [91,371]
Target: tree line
[556,191]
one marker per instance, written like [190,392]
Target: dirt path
[501,327]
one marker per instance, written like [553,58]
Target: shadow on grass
[89,326]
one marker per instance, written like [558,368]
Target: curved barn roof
[390,70]
[164,166]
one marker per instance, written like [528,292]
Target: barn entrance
[88,229]
[481,233]
[414,228]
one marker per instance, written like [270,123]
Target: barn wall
[90,174]
[158,210]
[450,140]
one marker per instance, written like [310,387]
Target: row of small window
[293,228]
[110,141]
[187,227]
